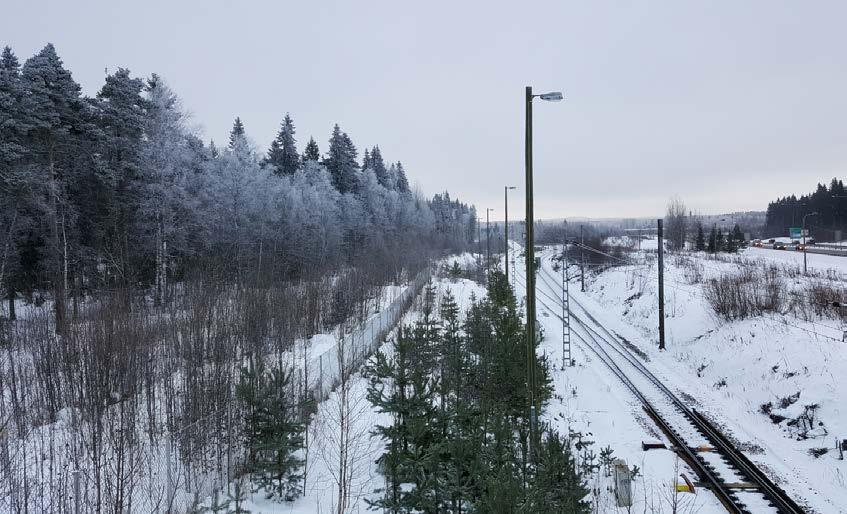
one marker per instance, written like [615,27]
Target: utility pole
[479,242]
[582,258]
[803,232]
[661,288]
[554,96]
[506,231]
[530,270]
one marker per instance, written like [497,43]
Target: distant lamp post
[553,96]
[803,231]
[487,242]
[506,231]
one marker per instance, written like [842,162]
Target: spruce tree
[713,240]
[312,152]
[282,154]
[236,133]
[700,241]
[378,165]
[366,160]
[720,243]
[274,432]
[737,236]
[401,182]
[341,162]
[389,383]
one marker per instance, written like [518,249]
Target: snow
[727,369]
[321,488]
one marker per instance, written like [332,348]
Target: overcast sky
[728,104]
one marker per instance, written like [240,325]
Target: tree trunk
[6,247]
[58,279]
[12,316]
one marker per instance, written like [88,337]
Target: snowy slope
[730,370]
[321,494]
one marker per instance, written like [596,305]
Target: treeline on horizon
[829,202]
[116,191]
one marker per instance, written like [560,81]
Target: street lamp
[553,96]
[487,242]
[803,231]
[506,231]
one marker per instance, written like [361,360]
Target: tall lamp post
[506,231]
[530,258]
[803,231]
[487,242]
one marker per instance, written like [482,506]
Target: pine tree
[52,115]
[13,179]
[700,241]
[312,152]
[237,132]
[388,391]
[213,150]
[720,243]
[557,486]
[274,432]
[116,190]
[283,152]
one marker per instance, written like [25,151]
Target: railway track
[739,485]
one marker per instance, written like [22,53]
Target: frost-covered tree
[168,159]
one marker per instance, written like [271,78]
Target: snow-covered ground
[752,376]
[321,494]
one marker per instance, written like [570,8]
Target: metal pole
[530,270]
[661,288]
[506,233]
[803,233]
[487,242]
[582,258]
[479,240]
